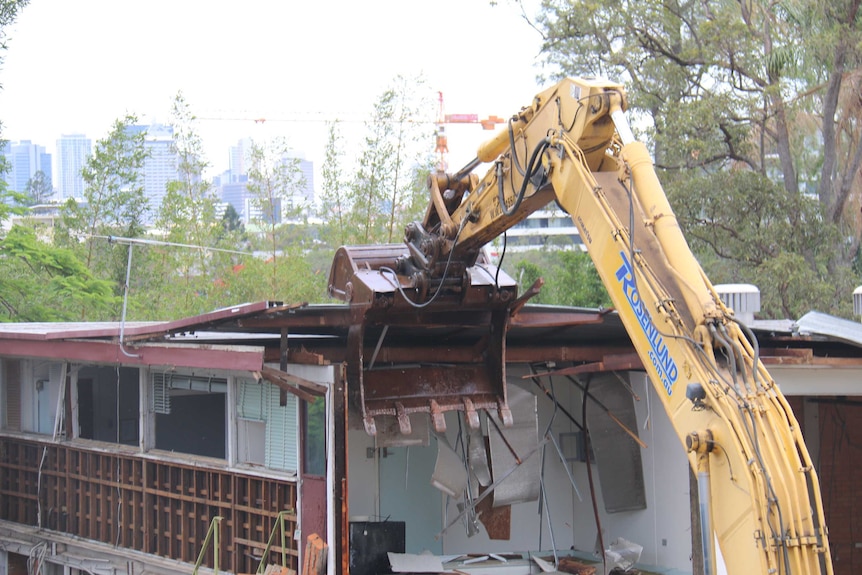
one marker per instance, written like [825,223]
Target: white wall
[664,527]
[39,408]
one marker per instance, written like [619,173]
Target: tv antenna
[131,242]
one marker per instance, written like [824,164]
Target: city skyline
[294,66]
[160,168]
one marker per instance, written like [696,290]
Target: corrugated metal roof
[835,328]
[86,330]
[534,333]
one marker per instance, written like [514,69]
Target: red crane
[442,148]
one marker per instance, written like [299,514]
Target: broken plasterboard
[522,437]
[410,563]
[449,475]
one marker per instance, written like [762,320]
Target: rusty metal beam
[333,352]
[341,541]
[624,362]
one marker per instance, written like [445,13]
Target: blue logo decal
[664,364]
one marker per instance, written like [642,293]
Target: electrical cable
[515,159]
[500,263]
[590,474]
[531,169]
[544,503]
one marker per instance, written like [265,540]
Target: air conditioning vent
[857,302]
[743,299]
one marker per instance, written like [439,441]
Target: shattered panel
[522,437]
[449,475]
[477,454]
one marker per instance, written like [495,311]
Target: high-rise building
[72,153]
[235,194]
[233,190]
[160,167]
[239,158]
[232,184]
[25,159]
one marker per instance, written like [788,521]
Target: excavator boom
[760,496]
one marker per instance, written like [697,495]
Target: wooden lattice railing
[139,502]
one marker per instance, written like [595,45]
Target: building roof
[535,333]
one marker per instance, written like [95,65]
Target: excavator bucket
[442,351]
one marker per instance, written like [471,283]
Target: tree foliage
[38,189]
[188,215]
[41,282]
[570,278]
[275,183]
[9,10]
[334,197]
[770,88]
[752,230]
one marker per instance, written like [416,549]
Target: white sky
[75,67]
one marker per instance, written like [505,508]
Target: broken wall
[663,527]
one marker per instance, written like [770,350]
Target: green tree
[770,88]
[570,277]
[232,224]
[188,215]
[334,201]
[39,189]
[275,182]
[41,282]
[114,205]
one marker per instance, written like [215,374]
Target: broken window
[618,456]
[189,413]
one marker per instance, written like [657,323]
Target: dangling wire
[590,473]
[531,171]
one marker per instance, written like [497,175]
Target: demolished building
[121,446]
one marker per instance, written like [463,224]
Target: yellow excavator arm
[759,493]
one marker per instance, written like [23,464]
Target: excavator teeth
[472,414]
[437,418]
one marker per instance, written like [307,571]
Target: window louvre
[251,404]
[160,398]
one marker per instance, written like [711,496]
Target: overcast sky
[75,67]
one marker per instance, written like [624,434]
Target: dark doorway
[109,404]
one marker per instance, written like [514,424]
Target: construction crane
[442,148]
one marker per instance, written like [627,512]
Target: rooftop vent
[743,299]
[857,302]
